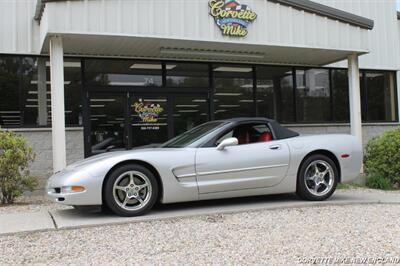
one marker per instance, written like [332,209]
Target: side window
[248,133]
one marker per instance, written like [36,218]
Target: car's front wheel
[317,178]
[130,190]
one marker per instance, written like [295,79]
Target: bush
[382,160]
[15,156]
[378,182]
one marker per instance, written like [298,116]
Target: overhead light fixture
[211,53]
[10,116]
[31,106]
[102,100]
[187,105]
[246,101]
[199,101]
[227,94]
[188,111]
[97,105]
[233,69]
[121,83]
[67,64]
[155,100]
[49,82]
[229,105]
[10,112]
[35,92]
[151,66]
[220,111]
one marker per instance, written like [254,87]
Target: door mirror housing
[227,142]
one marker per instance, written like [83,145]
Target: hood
[107,155]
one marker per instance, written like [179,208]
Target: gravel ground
[31,204]
[273,237]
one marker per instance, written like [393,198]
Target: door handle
[275,147]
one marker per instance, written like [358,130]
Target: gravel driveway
[264,237]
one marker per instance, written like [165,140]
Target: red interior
[266,136]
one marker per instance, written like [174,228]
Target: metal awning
[285,32]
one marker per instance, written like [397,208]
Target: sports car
[219,159]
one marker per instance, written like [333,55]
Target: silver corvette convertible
[219,159]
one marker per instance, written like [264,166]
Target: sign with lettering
[147,111]
[231,17]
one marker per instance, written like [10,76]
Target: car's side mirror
[227,142]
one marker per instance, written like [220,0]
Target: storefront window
[233,91]
[73,92]
[275,93]
[26,94]
[108,131]
[189,112]
[123,73]
[380,97]
[313,95]
[187,75]
[340,94]
[10,88]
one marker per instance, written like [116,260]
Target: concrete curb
[52,220]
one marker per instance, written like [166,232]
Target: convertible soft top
[279,131]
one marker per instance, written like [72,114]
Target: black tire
[110,199]
[302,188]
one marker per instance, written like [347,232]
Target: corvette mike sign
[231,17]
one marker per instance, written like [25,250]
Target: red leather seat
[264,137]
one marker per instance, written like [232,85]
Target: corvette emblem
[231,17]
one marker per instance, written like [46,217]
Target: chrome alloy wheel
[319,178]
[132,190]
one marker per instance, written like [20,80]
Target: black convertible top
[279,131]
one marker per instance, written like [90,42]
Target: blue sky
[398,5]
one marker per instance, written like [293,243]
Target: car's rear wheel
[130,190]
[317,178]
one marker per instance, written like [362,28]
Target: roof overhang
[170,49]
[286,31]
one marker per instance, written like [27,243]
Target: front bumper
[57,184]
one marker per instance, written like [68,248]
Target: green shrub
[382,160]
[379,182]
[15,156]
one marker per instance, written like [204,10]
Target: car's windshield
[189,137]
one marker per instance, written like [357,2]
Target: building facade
[79,78]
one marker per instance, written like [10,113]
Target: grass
[349,186]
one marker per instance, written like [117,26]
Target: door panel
[149,120]
[107,122]
[126,120]
[239,167]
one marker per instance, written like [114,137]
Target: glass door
[126,120]
[149,120]
[108,131]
